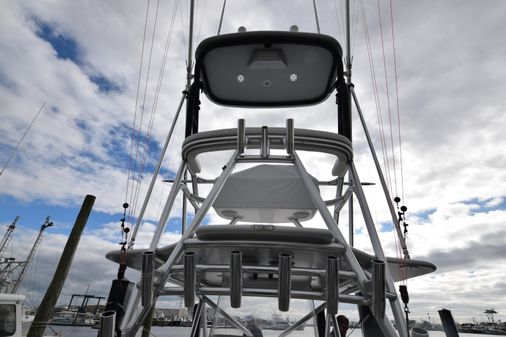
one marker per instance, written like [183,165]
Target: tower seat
[265,194]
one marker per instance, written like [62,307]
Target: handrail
[304,140]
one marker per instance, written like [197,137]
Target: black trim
[193,108]
[343,100]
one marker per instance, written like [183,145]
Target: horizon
[83,59]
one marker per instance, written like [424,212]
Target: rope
[23,137]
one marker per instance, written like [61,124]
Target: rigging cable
[151,122]
[339,22]
[132,139]
[22,137]
[202,12]
[397,100]
[355,28]
[401,210]
[376,97]
[221,16]
[388,96]
[398,247]
[154,107]
[138,179]
[316,17]
[184,23]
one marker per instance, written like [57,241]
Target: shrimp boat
[262,251]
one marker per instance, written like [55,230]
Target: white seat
[265,194]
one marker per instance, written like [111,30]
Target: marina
[184,332]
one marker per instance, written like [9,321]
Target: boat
[15,320]
[491,327]
[12,273]
[277,322]
[77,315]
[263,251]
[10,314]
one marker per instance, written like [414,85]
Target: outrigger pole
[169,136]
[352,175]
[155,174]
[381,177]
[147,312]
[346,115]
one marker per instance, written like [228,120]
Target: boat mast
[7,237]
[35,246]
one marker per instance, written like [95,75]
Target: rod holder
[332,281]
[108,323]
[290,136]
[148,264]
[265,148]
[284,281]
[241,136]
[235,279]
[378,289]
[189,279]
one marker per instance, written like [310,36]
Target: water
[70,331]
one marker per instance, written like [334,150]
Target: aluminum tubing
[148,263]
[235,279]
[378,289]
[108,324]
[290,136]
[284,281]
[189,279]
[419,332]
[264,143]
[241,136]
[332,281]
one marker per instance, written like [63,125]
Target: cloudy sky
[82,61]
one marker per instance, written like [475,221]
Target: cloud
[450,77]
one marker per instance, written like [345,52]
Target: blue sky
[83,60]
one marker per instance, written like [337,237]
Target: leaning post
[41,320]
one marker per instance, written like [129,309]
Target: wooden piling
[41,320]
